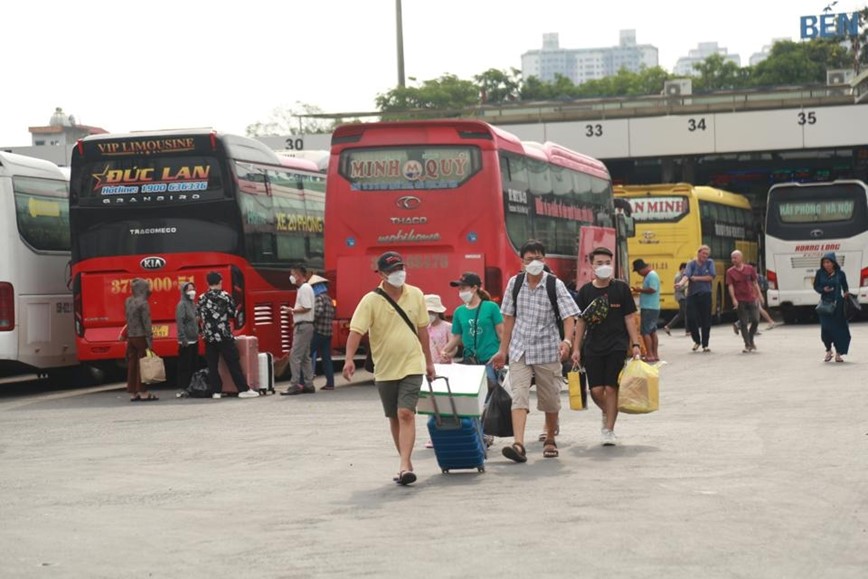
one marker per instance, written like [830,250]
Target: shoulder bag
[825,308]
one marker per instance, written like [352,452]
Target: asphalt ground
[755,466]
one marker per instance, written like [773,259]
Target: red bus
[169,207]
[454,196]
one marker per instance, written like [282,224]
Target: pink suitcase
[248,351]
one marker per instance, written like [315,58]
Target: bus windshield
[819,212]
[396,168]
[149,180]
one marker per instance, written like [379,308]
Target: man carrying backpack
[532,339]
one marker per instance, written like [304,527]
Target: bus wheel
[789,314]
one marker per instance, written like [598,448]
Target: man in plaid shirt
[323,315]
[532,340]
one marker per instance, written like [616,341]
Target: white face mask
[535,267]
[191,294]
[397,278]
[466,296]
[292,279]
[604,271]
[432,318]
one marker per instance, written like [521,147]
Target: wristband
[568,343]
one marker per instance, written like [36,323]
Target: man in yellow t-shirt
[401,354]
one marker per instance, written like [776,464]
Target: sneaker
[745,350]
[706,350]
[217,396]
[308,390]
[609,438]
[182,394]
[753,347]
[487,438]
[292,391]
[735,328]
[771,326]
[249,393]
[695,346]
[327,387]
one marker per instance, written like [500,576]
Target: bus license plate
[161,331]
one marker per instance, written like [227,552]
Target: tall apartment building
[684,66]
[583,64]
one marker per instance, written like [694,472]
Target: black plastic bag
[497,420]
[852,308]
[199,387]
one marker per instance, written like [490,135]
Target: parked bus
[804,221]
[36,330]
[169,207]
[454,196]
[673,220]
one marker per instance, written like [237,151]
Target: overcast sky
[124,65]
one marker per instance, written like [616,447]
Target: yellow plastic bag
[578,392]
[639,391]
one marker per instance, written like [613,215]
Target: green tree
[800,63]
[444,94]
[716,73]
[533,89]
[499,86]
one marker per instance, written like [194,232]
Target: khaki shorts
[548,385]
[403,393]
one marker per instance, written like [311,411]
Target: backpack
[199,387]
[551,290]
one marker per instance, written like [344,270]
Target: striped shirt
[535,334]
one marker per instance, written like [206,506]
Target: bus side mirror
[626,226]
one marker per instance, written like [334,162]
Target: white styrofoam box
[469,388]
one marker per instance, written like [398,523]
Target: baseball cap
[639,264]
[389,261]
[467,278]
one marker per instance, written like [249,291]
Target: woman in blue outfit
[831,283]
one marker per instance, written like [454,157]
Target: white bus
[805,221]
[36,320]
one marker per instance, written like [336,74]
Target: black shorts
[603,369]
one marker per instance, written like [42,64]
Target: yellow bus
[673,220]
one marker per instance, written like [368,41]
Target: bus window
[540,179]
[256,213]
[42,212]
[299,204]
[516,198]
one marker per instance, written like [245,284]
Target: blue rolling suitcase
[458,442]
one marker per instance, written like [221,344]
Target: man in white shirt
[302,334]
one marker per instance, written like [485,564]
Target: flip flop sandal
[515,452]
[149,398]
[828,357]
[550,449]
[406,477]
